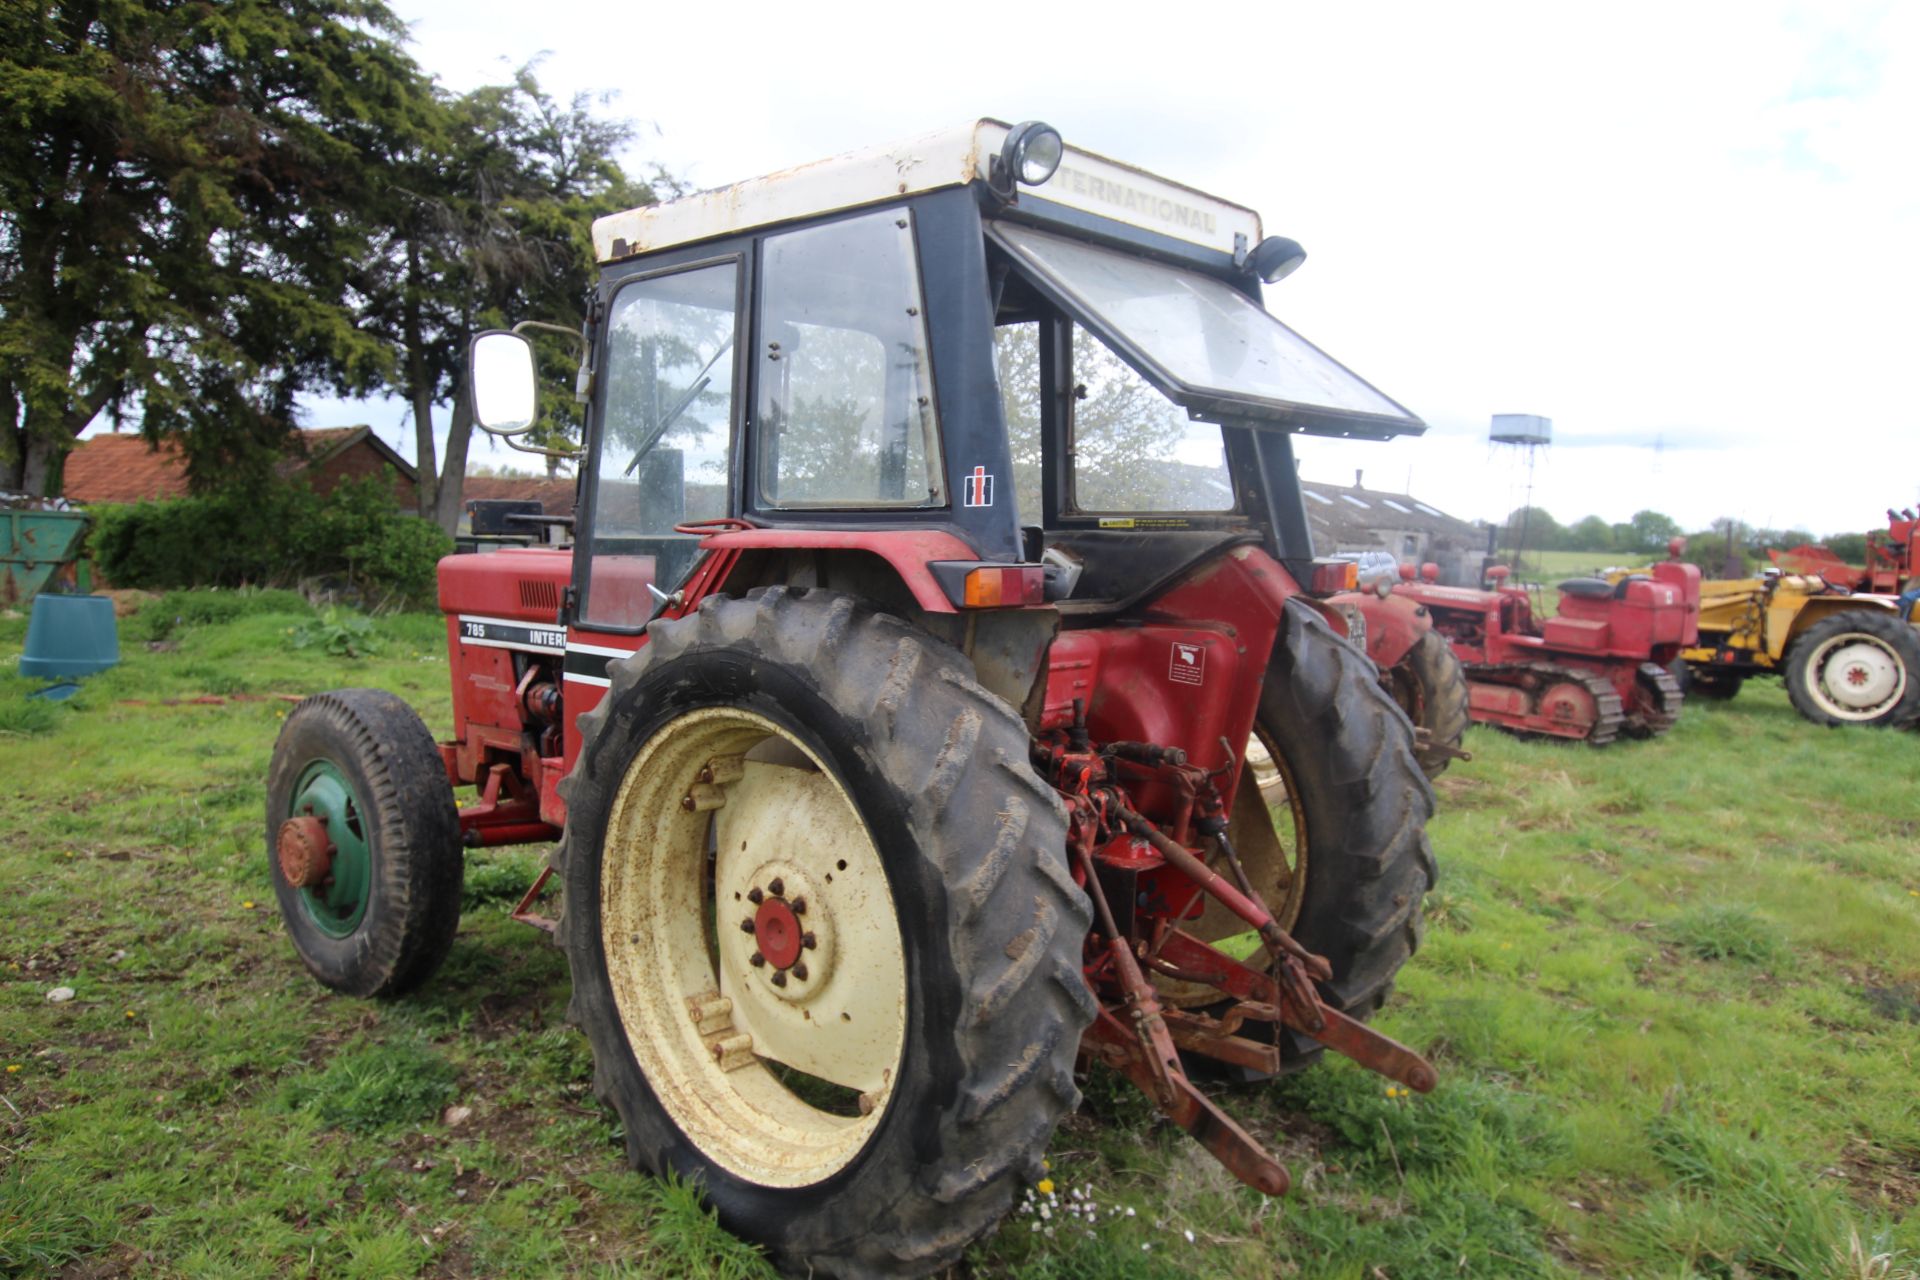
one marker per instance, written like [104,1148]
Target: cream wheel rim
[1856,677]
[779,1069]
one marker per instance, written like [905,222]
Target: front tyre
[1430,685]
[364,842]
[1856,667]
[823,938]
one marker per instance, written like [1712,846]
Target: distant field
[1673,989]
[1552,566]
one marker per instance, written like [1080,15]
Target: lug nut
[800,970]
[799,906]
[779,978]
[746,926]
[756,959]
[777,888]
[808,941]
[754,895]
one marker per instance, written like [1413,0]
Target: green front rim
[337,906]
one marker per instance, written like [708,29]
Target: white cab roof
[948,158]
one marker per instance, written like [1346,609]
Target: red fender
[1394,624]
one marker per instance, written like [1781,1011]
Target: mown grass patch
[1673,989]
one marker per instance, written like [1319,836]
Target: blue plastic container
[70,636]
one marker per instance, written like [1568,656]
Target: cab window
[845,403]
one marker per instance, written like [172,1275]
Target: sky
[1687,233]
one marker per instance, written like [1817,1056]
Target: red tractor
[892,714]
[1595,670]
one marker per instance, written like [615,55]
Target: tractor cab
[1045,376]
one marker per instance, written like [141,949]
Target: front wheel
[1856,667]
[823,937]
[364,842]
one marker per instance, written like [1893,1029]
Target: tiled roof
[125,468]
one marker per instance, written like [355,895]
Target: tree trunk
[453,477]
[420,389]
[37,467]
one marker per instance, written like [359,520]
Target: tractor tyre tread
[413,833]
[995,1066]
[1444,701]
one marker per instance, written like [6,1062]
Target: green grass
[1673,989]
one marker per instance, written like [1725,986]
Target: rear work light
[1005,586]
[1330,577]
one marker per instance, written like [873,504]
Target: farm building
[1349,520]
[127,468]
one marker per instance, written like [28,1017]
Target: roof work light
[1030,154]
[1277,257]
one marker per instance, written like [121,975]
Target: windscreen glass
[1199,331]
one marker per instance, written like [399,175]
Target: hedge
[280,535]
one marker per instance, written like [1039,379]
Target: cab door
[661,454]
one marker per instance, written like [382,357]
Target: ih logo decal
[977,489]
[1189,665]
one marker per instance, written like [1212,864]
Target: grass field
[1673,989]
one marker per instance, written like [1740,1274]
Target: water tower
[1528,434]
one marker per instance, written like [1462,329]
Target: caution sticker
[1189,664]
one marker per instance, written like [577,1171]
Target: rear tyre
[1430,685]
[1856,667]
[1332,764]
[364,842]
[1366,806]
[870,1104]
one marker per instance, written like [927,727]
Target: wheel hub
[326,859]
[305,852]
[1861,675]
[787,940]
[776,929]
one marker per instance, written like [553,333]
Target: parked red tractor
[877,807]
[1595,670]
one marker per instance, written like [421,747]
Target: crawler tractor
[892,709]
[1595,670]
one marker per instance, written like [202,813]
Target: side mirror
[501,375]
